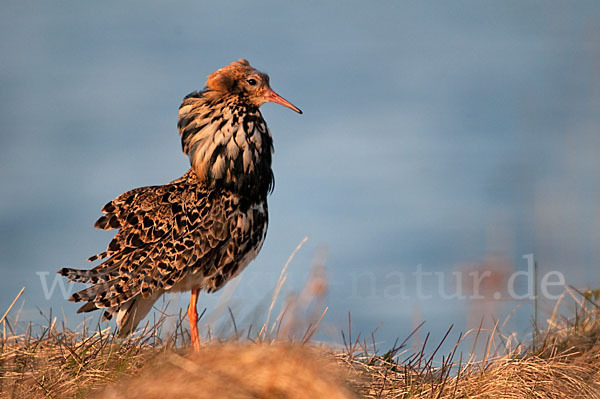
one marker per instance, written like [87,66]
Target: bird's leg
[193,318]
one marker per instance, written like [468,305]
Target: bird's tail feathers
[132,312]
[129,311]
[99,274]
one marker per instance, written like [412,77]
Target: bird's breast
[228,147]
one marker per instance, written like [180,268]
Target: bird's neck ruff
[228,143]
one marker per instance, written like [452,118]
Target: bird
[201,230]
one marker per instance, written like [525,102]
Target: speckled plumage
[201,230]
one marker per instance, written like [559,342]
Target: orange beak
[273,97]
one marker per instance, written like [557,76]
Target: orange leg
[193,318]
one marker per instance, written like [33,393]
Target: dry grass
[238,371]
[564,362]
[65,363]
[59,363]
[278,360]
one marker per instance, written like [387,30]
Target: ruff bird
[201,230]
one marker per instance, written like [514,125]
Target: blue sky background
[434,133]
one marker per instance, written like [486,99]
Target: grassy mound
[564,361]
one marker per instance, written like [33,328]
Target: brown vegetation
[279,361]
[237,371]
[565,362]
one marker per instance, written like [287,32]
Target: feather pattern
[227,141]
[174,237]
[201,230]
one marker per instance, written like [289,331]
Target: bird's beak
[273,97]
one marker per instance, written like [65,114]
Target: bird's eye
[251,82]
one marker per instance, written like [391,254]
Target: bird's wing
[165,233]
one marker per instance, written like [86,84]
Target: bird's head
[239,78]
